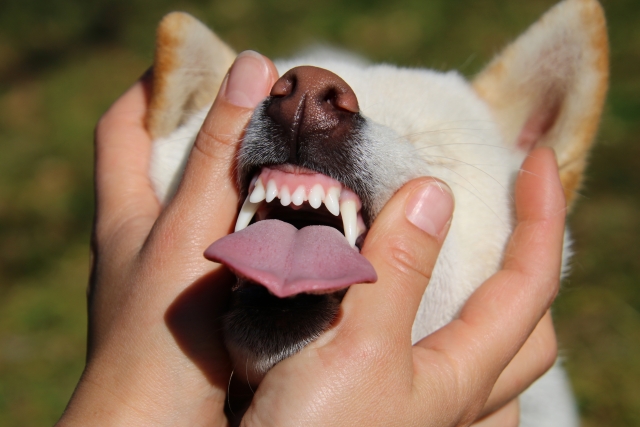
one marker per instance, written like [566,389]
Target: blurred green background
[63,62]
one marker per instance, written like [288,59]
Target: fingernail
[248,80]
[430,207]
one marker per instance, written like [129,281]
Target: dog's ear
[189,65]
[548,87]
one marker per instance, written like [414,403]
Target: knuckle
[221,129]
[407,257]
[119,235]
[210,137]
[215,146]
[104,230]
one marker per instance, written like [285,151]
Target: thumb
[402,245]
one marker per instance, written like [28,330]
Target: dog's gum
[295,180]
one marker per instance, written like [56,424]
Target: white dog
[335,140]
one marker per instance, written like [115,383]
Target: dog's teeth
[258,193]
[332,200]
[247,212]
[298,196]
[349,213]
[272,191]
[285,197]
[316,195]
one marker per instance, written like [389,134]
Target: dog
[338,137]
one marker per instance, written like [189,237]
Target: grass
[63,63]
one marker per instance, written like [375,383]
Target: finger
[536,246]
[402,245]
[205,205]
[502,313]
[537,356]
[507,416]
[122,149]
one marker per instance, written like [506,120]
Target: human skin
[155,355]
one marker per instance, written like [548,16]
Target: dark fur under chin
[261,329]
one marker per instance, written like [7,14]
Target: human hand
[365,370]
[155,355]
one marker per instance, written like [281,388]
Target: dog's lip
[246,282]
[295,169]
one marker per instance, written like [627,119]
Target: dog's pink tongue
[288,261]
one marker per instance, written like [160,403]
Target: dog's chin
[261,329]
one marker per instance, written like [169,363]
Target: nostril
[319,84]
[311,106]
[331,97]
[347,100]
[341,99]
[284,86]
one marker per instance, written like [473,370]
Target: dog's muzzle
[293,245]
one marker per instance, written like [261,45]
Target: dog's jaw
[260,329]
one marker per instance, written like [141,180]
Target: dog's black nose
[315,110]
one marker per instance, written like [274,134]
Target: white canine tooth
[349,221]
[272,191]
[258,193]
[247,212]
[331,201]
[316,195]
[285,197]
[298,196]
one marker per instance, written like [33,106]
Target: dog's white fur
[547,88]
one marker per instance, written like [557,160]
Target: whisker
[229,393]
[548,180]
[479,169]
[438,130]
[463,143]
[246,373]
[474,194]
[467,132]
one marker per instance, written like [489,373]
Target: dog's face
[312,158]
[337,137]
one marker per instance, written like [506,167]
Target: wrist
[125,393]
